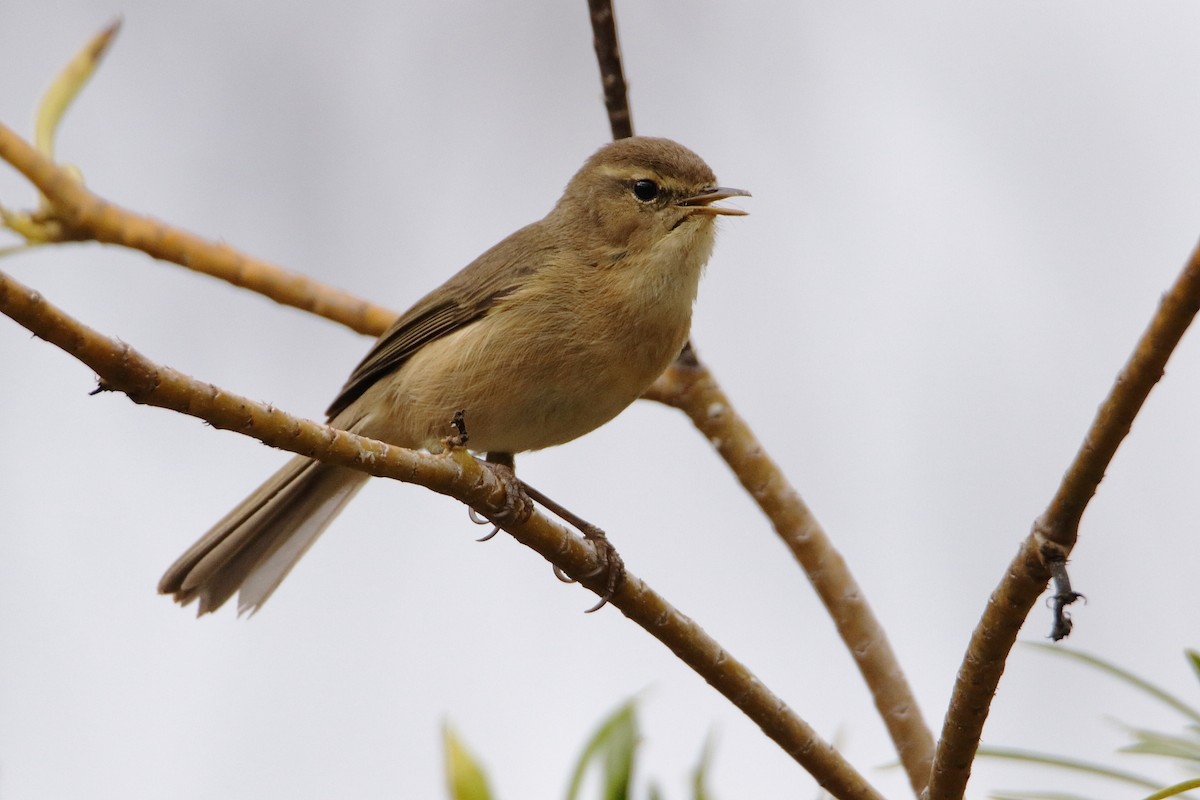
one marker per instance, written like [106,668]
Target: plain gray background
[963,216]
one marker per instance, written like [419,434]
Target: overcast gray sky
[963,216]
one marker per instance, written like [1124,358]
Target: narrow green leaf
[1165,745]
[1038,796]
[465,777]
[1096,662]
[1193,659]
[1177,789]
[619,756]
[66,86]
[700,773]
[612,747]
[1063,762]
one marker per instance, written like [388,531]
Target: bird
[543,338]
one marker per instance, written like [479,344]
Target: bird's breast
[552,361]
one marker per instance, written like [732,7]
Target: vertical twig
[612,75]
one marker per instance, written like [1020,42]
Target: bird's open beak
[701,203]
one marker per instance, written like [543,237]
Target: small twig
[457,474]
[690,387]
[612,75]
[1053,537]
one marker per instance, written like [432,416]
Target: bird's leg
[610,560]
[459,439]
[505,468]
[517,505]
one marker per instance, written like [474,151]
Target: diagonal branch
[81,214]
[1053,536]
[690,387]
[456,474]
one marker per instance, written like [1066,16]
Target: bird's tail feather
[253,548]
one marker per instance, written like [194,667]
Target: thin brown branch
[1054,535]
[84,215]
[690,387]
[1060,524]
[612,74]
[456,474]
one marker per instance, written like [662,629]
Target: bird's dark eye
[645,190]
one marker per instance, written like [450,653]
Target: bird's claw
[519,500]
[517,505]
[611,564]
[479,519]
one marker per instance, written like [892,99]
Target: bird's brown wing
[460,301]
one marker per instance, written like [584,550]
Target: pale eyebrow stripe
[629,173]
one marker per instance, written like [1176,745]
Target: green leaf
[66,86]
[1162,744]
[1194,660]
[612,748]
[1136,682]
[700,773]
[1063,762]
[1177,789]
[464,775]
[1038,796]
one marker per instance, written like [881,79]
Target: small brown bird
[543,338]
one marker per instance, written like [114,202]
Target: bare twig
[612,75]
[456,474]
[1053,536]
[690,387]
[84,215]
